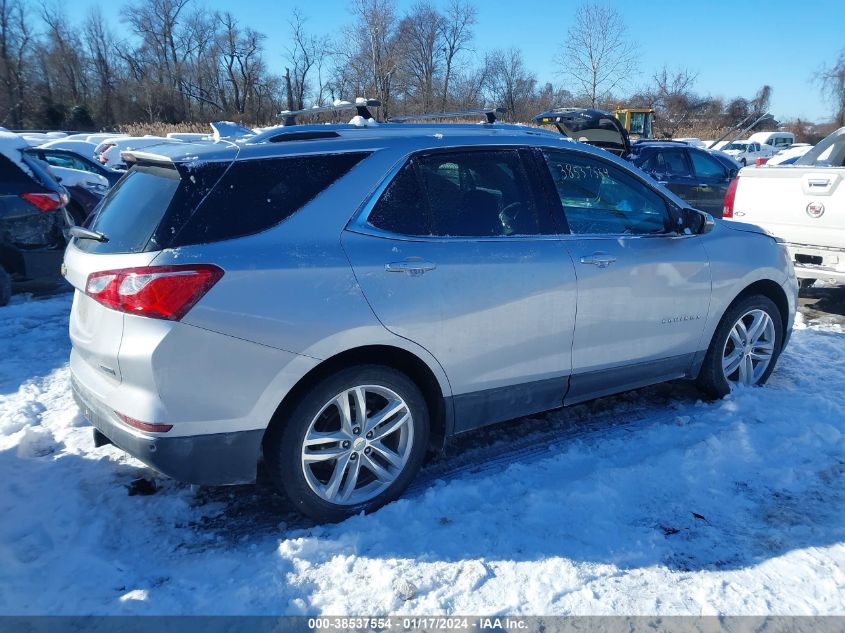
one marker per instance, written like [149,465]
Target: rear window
[254,195]
[155,207]
[133,209]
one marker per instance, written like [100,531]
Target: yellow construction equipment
[639,122]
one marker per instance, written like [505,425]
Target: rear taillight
[730,196]
[102,157]
[159,292]
[761,161]
[144,426]
[46,201]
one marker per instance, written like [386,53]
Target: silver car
[339,300]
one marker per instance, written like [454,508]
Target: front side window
[461,194]
[599,198]
[705,166]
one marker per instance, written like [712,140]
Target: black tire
[711,379]
[744,162]
[284,441]
[5,287]
[805,284]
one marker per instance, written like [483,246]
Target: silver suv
[340,299]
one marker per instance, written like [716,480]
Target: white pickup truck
[803,204]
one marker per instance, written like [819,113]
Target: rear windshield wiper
[87,234]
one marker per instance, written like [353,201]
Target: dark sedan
[699,176]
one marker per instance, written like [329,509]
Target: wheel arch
[772,290]
[413,366]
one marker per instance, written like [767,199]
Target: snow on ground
[648,503]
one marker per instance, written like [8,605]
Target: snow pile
[651,502]
[359,121]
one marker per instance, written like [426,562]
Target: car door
[643,290]
[712,182]
[457,253]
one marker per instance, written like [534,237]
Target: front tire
[745,347]
[352,444]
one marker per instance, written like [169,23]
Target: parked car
[698,176]
[31,222]
[790,154]
[778,140]
[109,151]
[79,146]
[345,301]
[70,159]
[747,152]
[803,204]
[85,189]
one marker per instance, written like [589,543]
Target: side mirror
[695,222]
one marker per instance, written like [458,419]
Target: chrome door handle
[412,267]
[598,259]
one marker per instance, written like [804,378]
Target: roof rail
[490,113]
[361,105]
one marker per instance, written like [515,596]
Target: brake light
[159,292]
[144,426]
[102,157]
[730,196]
[761,161]
[46,201]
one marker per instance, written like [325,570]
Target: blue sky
[735,47]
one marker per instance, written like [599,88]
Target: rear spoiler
[228,130]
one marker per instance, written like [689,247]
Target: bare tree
[456,35]
[305,54]
[831,80]
[15,48]
[374,38]
[510,84]
[420,33]
[597,54]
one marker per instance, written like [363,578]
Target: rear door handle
[602,260]
[413,267]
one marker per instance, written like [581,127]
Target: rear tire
[333,464]
[733,357]
[5,287]
[805,284]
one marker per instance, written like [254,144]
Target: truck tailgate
[801,205]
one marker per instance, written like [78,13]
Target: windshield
[739,146]
[640,124]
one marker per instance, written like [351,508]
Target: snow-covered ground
[651,502]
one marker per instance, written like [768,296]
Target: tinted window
[705,166]
[64,160]
[132,210]
[671,162]
[599,198]
[11,173]
[479,194]
[401,208]
[254,195]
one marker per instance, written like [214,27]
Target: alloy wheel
[749,348]
[357,445]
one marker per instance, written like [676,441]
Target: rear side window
[155,207]
[461,194]
[672,162]
[254,195]
[401,208]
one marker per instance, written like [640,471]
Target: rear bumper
[215,459]
[818,262]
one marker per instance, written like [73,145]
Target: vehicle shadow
[823,302]
[595,514]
